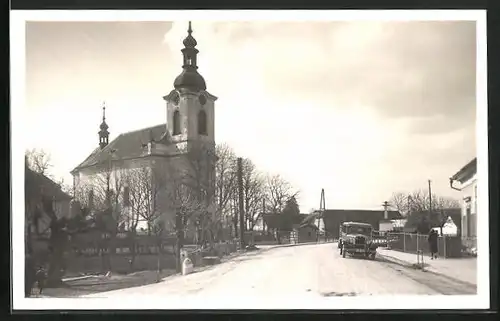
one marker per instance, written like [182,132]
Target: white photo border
[18,65]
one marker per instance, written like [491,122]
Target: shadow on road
[330,294]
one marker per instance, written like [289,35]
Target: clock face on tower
[202,99]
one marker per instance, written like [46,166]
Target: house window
[202,123]
[176,123]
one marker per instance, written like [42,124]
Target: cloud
[361,109]
[400,69]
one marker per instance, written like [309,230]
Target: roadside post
[444,246]
[420,259]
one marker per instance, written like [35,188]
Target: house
[283,222]
[306,233]
[38,187]
[284,225]
[465,182]
[333,218]
[437,220]
[155,163]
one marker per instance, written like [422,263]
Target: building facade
[153,173]
[465,182]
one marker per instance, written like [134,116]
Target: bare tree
[185,202]
[145,186]
[225,182]
[198,176]
[253,193]
[416,205]
[38,161]
[278,191]
[105,197]
[399,201]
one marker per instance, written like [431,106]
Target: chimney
[386,213]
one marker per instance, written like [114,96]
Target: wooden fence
[448,246]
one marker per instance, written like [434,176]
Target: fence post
[418,237]
[444,245]
[404,242]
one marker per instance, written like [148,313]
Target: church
[153,173]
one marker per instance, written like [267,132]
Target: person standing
[433,246]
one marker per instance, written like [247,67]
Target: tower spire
[190,78]
[103,132]
[103,111]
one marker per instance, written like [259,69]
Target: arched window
[176,123]
[202,123]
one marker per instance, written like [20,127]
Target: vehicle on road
[356,239]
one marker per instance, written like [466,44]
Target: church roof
[126,146]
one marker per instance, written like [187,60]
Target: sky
[361,109]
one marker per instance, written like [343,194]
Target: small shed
[307,233]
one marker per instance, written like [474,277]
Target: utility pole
[322,207]
[235,214]
[409,205]
[241,205]
[430,199]
[262,216]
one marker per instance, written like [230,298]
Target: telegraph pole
[430,199]
[322,207]
[263,212]
[409,205]
[235,215]
[241,205]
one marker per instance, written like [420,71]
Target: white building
[465,181]
[145,167]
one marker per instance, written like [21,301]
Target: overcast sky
[361,109]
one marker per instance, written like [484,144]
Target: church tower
[190,108]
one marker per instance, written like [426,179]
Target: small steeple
[103,133]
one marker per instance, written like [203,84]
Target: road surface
[310,270]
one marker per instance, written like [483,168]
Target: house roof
[283,221]
[356,224]
[37,184]
[127,145]
[333,218]
[466,172]
[367,216]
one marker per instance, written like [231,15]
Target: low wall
[119,263]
